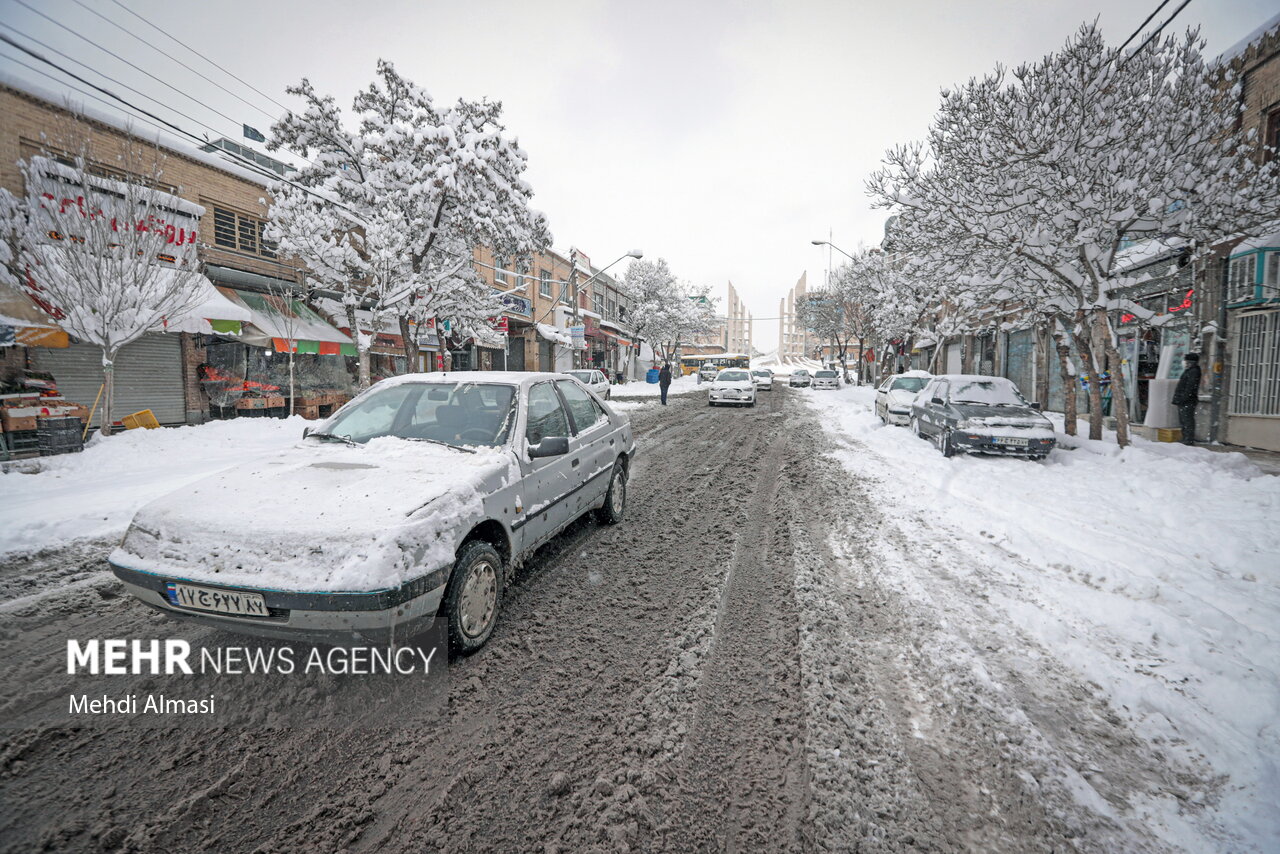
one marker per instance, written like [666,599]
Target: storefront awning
[24,323]
[212,312]
[625,342]
[288,325]
[554,333]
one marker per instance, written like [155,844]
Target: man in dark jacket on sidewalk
[664,381]
[1185,396]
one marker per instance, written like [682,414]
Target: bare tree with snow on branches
[390,210]
[1037,179]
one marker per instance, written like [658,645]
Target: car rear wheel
[474,597]
[915,427]
[608,393]
[615,500]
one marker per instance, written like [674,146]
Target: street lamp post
[573,290]
[828,243]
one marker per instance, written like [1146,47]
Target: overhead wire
[1156,33]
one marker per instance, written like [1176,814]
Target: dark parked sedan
[977,414]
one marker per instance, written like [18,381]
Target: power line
[1126,41]
[199,54]
[1152,37]
[163,52]
[242,161]
[135,67]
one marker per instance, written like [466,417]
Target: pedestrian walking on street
[664,381]
[1185,397]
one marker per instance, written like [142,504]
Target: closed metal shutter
[953,359]
[1020,357]
[148,376]
[515,353]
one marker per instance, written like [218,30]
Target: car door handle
[574,463]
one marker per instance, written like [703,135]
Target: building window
[241,232]
[1271,275]
[544,283]
[597,303]
[1255,388]
[1240,277]
[499,271]
[1272,138]
[565,293]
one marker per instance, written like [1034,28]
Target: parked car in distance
[826,379]
[895,394]
[592,379]
[979,414]
[763,379]
[708,371]
[415,501]
[732,385]
[800,378]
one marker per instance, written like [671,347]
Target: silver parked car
[800,378]
[593,379]
[980,414]
[894,396]
[826,379]
[415,500]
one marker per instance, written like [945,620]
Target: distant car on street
[826,379]
[592,379]
[416,500]
[708,371]
[732,386]
[895,394]
[979,414]
[800,378]
[763,379]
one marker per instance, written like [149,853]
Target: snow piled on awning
[555,333]
[209,305]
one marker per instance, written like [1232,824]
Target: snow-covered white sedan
[414,501]
[894,396]
[732,385]
[826,379]
[592,379]
[763,379]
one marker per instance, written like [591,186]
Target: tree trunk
[1069,411]
[1095,386]
[1119,395]
[410,342]
[108,391]
[292,386]
[362,354]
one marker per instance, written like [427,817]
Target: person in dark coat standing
[664,381]
[1185,396]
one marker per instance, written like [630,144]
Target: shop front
[1151,352]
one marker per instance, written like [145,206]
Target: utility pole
[577,318]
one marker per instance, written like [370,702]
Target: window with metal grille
[544,282]
[1240,279]
[1255,387]
[241,232]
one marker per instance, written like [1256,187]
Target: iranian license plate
[1010,440]
[218,601]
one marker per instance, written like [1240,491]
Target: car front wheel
[615,500]
[945,444]
[474,596]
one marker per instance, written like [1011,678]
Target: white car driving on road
[763,379]
[894,396]
[732,385]
[592,379]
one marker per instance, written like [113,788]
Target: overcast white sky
[723,136]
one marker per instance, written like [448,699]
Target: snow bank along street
[849,643]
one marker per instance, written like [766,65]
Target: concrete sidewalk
[1268,461]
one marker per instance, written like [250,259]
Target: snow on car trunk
[1152,571]
[318,517]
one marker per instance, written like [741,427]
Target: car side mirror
[551,446]
[306,431]
[938,401]
[1036,406]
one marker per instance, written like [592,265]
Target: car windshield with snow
[415,501]
[826,379]
[980,414]
[800,379]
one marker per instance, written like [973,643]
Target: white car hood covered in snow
[320,518]
[742,385]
